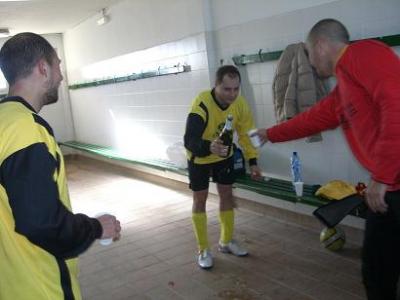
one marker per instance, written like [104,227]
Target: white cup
[104,242]
[254,138]
[298,187]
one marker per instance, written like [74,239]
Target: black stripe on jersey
[39,214]
[58,161]
[204,107]
[18,99]
[193,141]
[65,280]
[38,119]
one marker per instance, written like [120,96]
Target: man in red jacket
[366,104]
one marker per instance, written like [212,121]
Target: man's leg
[199,218]
[381,251]
[199,179]
[226,217]
[224,176]
[226,214]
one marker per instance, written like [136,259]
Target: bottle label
[228,125]
[296,168]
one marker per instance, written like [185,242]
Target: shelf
[242,60]
[132,77]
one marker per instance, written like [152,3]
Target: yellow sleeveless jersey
[214,116]
[39,236]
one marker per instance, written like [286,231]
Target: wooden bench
[276,188]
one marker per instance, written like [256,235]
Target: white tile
[199,80]
[339,166]
[253,74]
[257,93]
[198,61]
[269,115]
[380,27]
[180,48]
[357,173]
[267,94]
[259,118]
[200,43]
[267,72]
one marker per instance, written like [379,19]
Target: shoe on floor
[205,260]
[232,247]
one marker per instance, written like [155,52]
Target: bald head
[325,42]
[329,29]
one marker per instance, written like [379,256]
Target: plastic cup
[254,138]
[298,187]
[104,242]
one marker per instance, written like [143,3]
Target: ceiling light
[104,18]
[4,32]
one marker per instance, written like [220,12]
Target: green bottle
[226,135]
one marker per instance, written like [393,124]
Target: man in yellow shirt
[207,156]
[40,238]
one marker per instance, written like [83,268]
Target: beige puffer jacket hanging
[296,86]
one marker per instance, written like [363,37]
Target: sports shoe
[232,247]
[205,260]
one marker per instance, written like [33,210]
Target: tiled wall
[133,26]
[142,118]
[124,115]
[331,158]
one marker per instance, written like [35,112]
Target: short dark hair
[331,29]
[229,70]
[21,53]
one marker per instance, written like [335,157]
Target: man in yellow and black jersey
[40,238]
[207,156]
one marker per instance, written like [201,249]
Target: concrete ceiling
[48,16]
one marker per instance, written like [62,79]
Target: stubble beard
[51,96]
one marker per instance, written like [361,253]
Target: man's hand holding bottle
[217,147]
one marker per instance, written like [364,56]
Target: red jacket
[366,104]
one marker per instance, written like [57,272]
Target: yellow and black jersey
[205,122]
[40,237]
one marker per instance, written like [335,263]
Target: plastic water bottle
[295,167]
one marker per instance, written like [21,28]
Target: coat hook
[260,55]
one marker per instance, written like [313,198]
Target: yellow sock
[226,219]
[200,229]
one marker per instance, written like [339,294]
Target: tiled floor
[155,259]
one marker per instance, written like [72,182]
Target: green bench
[276,188]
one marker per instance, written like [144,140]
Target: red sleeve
[320,117]
[378,71]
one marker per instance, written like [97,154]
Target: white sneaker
[232,247]
[205,259]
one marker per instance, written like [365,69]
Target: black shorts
[221,172]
